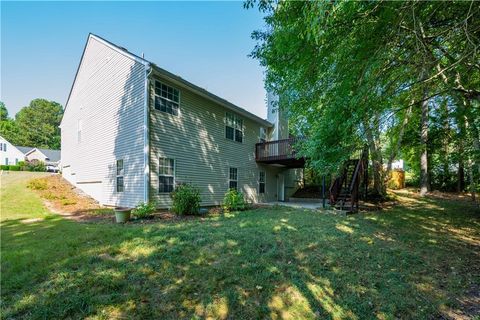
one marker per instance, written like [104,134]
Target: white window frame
[234,126]
[168,100]
[230,177]
[263,134]
[174,169]
[264,181]
[121,175]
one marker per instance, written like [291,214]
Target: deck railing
[276,150]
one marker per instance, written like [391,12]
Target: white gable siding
[10,156]
[107,102]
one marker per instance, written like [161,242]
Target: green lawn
[419,260]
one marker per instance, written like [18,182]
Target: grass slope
[419,260]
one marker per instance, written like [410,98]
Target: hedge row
[18,168]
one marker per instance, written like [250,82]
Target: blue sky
[206,43]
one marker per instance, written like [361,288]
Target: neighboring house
[132,131]
[47,156]
[9,154]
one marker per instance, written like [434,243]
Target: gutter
[146,135]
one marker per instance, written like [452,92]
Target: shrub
[233,201]
[186,199]
[37,184]
[4,167]
[144,210]
[14,168]
[35,165]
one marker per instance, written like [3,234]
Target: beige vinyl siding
[108,100]
[203,155]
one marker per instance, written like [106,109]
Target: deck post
[323,191]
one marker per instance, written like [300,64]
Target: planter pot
[122,215]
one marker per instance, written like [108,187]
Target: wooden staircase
[345,189]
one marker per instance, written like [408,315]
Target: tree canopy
[402,77]
[35,125]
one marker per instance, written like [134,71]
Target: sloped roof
[52,155]
[173,77]
[24,150]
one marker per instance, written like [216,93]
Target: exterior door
[281,187]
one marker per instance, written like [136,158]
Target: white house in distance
[132,131]
[47,156]
[10,154]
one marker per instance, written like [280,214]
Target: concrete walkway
[297,205]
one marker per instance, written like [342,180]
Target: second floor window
[233,178]
[167,99]
[79,131]
[233,127]
[263,134]
[166,175]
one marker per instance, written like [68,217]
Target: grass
[418,260]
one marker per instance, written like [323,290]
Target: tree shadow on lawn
[261,264]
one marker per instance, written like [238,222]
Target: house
[132,131]
[47,156]
[10,154]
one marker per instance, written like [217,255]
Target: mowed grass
[418,260]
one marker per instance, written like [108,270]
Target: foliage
[297,264]
[37,184]
[400,76]
[34,165]
[36,125]
[233,201]
[3,112]
[3,167]
[144,210]
[186,199]
[14,168]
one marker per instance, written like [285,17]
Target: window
[4,147]
[6,161]
[261,182]
[233,178]
[166,175]
[233,127]
[16,161]
[263,134]
[167,99]
[79,131]
[1,146]
[120,171]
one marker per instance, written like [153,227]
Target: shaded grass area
[418,260]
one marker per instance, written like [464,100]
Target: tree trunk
[461,169]
[424,179]
[400,138]
[376,153]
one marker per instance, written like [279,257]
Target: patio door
[281,187]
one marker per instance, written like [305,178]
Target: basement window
[166,175]
[119,177]
[261,182]
[167,99]
[233,178]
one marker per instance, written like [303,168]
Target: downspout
[146,135]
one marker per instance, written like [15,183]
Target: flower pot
[122,215]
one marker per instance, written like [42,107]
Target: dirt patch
[62,198]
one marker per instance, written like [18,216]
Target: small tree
[233,201]
[186,199]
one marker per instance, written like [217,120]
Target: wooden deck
[279,152]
